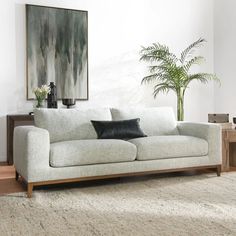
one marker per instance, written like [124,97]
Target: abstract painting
[57,50]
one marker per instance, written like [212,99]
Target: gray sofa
[63,146]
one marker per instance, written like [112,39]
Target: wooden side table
[228,149]
[12,122]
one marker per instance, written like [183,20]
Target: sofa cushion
[85,152]
[172,146]
[153,121]
[69,124]
[118,129]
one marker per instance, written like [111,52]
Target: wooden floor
[7,172]
[8,184]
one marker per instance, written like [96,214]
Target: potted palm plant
[172,72]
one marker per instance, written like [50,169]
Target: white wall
[224,57]
[117,28]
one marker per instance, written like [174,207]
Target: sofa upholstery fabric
[69,124]
[153,121]
[86,152]
[209,132]
[30,150]
[171,146]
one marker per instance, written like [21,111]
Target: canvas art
[57,50]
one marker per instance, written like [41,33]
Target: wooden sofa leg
[218,170]
[16,175]
[30,187]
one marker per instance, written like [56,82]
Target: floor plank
[8,186]
[7,172]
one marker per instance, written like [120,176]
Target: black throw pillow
[121,129]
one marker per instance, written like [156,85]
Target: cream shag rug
[156,205]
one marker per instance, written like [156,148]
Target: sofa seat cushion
[85,152]
[171,146]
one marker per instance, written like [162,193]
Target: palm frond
[165,84]
[162,87]
[158,53]
[194,61]
[189,50]
[149,78]
[153,69]
[202,77]
[163,71]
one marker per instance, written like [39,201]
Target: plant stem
[180,105]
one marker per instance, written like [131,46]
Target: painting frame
[30,98]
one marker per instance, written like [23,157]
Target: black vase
[52,96]
[68,102]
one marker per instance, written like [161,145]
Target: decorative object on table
[41,94]
[68,102]
[218,118]
[221,119]
[52,96]
[172,72]
[234,121]
[57,50]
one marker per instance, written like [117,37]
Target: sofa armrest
[210,132]
[31,147]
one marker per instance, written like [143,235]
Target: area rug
[156,205]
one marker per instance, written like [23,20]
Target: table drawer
[231,135]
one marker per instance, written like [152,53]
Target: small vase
[52,96]
[39,103]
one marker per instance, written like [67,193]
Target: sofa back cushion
[69,124]
[154,121]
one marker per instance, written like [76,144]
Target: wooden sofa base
[31,185]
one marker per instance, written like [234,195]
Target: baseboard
[3,163]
